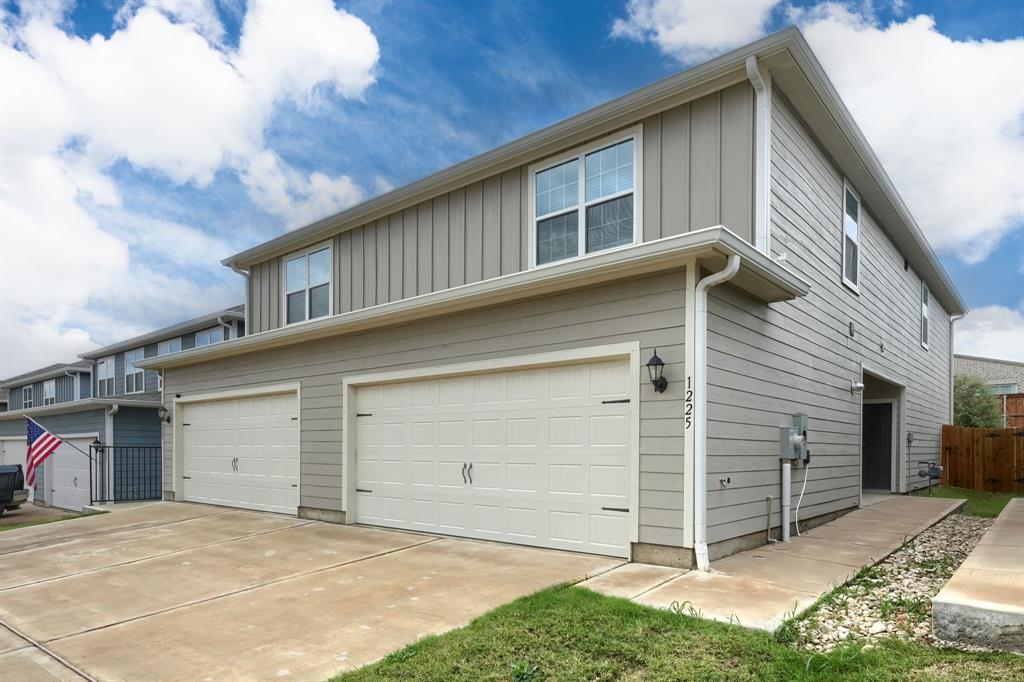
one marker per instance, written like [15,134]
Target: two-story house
[598,337]
[103,399]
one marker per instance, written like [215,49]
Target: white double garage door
[536,456]
[66,470]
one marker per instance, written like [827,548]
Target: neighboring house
[3,399]
[103,398]
[1004,377]
[466,355]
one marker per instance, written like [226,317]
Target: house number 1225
[688,410]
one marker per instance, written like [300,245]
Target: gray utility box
[793,439]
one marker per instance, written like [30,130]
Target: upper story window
[208,336]
[134,378]
[26,397]
[105,377]
[49,392]
[165,348]
[925,299]
[307,282]
[586,201]
[851,238]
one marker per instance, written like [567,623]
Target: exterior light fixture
[656,368]
[163,414]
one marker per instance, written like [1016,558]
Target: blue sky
[417,86]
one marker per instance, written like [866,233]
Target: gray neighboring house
[3,399]
[101,397]
[468,355]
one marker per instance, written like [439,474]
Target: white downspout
[109,440]
[700,406]
[762,154]
[77,386]
[952,321]
[226,325]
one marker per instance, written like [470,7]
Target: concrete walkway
[983,603]
[763,587]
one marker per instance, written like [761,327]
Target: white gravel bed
[893,599]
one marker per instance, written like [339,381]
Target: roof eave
[158,335]
[82,405]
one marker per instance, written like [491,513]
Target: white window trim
[137,371]
[924,309]
[52,385]
[847,187]
[210,330]
[329,245]
[636,134]
[27,397]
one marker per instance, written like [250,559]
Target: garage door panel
[547,452]
[242,452]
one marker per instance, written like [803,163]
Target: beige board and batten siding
[648,310]
[697,172]
[767,362]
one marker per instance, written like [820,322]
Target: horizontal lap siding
[648,310]
[697,172]
[767,362]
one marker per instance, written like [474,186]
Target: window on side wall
[307,285]
[925,300]
[105,377]
[586,201]
[851,238]
[134,378]
[26,397]
[209,336]
[49,392]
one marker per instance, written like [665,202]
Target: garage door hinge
[295,419]
[186,424]
[189,478]
[618,509]
[364,414]
[363,490]
[609,402]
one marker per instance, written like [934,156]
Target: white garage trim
[178,460]
[629,350]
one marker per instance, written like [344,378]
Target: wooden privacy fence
[983,459]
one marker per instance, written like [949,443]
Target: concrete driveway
[169,591]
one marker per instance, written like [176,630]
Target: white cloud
[994,331]
[693,30]
[162,94]
[945,116]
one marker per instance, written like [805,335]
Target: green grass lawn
[978,503]
[39,522]
[570,633]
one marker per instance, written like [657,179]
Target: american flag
[41,444]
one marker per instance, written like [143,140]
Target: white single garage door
[67,471]
[536,457]
[242,452]
[12,451]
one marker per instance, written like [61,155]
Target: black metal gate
[126,473]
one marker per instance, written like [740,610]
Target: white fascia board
[76,406]
[761,278]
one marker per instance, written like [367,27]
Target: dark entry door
[877,446]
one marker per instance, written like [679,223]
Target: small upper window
[26,397]
[307,280]
[1003,389]
[134,378]
[209,336]
[165,348]
[105,377]
[851,238]
[925,297]
[586,202]
[49,392]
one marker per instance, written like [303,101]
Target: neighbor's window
[925,296]
[586,202]
[1003,389]
[307,294]
[105,377]
[851,238]
[134,378]
[49,392]
[26,397]
[165,348]
[209,336]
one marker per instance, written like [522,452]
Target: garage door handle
[463,472]
[470,472]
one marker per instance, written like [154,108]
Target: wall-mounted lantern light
[656,368]
[163,414]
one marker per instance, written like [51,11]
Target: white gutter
[700,408]
[762,154]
